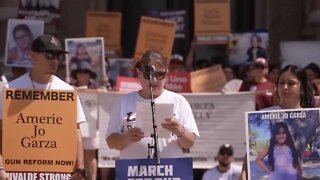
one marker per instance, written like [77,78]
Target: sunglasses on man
[227,152]
[53,55]
[159,75]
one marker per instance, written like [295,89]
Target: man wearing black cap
[46,55]
[225,170]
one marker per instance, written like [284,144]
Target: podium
[148,169]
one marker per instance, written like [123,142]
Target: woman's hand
[173,126]
[185,138]
[268,169]
[121,140]
[77,176]
[3,175]
[134,135]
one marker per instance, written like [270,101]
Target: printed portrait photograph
[20,34]
[283,144]
[245,47]
[86,56]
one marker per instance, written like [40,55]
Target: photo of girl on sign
[283,161]
[88,52]
[283,144]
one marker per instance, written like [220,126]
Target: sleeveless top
[283,167]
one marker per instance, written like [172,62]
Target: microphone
[149,69]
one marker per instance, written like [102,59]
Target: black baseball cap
[47,42]
[226,149]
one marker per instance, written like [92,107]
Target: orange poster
[210,79]
[39,133]
[156,34]
[107,25]
[212,20]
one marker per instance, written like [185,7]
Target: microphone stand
[155,134]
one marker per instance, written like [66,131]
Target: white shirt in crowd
[214,174]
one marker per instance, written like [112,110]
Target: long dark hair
[78,47]
[306,89]
[314,68]
[289,141]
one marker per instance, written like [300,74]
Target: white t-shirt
[232,174]
[24,82]
[169,147]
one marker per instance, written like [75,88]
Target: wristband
[182,133]
[83,172]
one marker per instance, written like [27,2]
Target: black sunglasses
[52,55]
[226,152]
[159,75]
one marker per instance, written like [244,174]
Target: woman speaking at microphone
[133,143]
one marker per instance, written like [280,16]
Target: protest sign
[156,34]
[180,17]
[89,102]
[127,84]
[106,25]
[168,169]
[88,50]
[210,79]
[212,20]
[275,135]
[178,82]
[20,34]
[49,11]
[32,124]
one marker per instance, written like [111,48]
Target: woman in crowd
[262,87]
[83,76]
[313,71]
[229,72]
[273,73]
[294,90]
[132,142]
[313,74]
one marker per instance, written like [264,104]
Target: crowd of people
[292,87]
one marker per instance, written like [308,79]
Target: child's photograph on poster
[244,48]
[86,56]
[20,34]
[283,144]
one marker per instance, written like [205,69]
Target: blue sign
[148,169]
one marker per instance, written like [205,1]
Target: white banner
[220,119]
[89,102]
[106,156]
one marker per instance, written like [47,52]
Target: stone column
[313,17]
[286,24]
